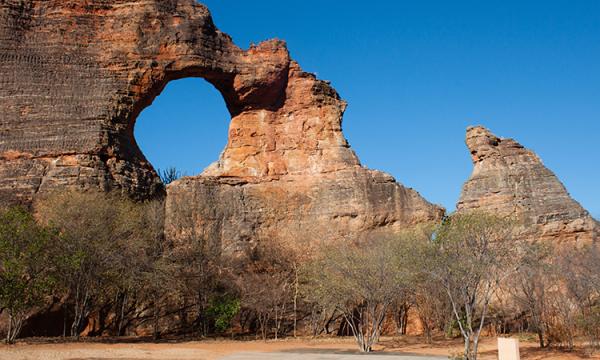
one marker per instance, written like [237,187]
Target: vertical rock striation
[511,180]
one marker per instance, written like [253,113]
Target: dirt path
[290,349]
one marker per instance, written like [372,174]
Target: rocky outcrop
[75,74]
[234,214]
[511,180]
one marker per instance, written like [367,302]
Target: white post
[508,349]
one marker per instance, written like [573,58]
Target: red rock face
[510,180]
[75,74]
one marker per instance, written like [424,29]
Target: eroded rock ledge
[511,180]
[75,74]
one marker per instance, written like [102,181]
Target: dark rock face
[75,74]
[510,180]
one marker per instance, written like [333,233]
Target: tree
[578,298]
[266,282]
[432,306]
[590,278]
[98,250]
[157,279]
[145,265]
[203,273]
[197,267]
[362,281]
[425,295]
[531,288]
[26,272]
[472,256]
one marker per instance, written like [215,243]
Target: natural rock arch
[74,76]
[79,73]
[185,128]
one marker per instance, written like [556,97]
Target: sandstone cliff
[75,74]
[509,179]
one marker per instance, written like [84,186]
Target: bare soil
[215,349]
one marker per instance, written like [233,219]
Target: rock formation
[509,179]
[75,74]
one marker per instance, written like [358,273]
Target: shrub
[26,268]
[222,310]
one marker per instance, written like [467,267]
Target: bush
[222,310]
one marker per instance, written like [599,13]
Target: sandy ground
[213,349]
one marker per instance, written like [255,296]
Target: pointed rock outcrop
[509,179]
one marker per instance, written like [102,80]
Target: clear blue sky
[415,75]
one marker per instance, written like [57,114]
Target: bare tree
[531,288]
[432,306]
[401,308]
[361,282]
[266,283]
[577,304]
[147,269]
[472,256]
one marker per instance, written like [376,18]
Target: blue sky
[415,75]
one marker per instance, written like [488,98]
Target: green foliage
[26,272]
[222,310]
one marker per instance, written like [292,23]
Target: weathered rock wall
[511,180]
[348,204]
[75,74]
[289,174]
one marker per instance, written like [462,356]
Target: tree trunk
[15,323]
[402,319]
[427,331]
[540,334]
[263,320]
[276,323]
[8,333]
[156,317]
[81,313]
[467,354]
[296,292]
[121,319]
[475,348]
